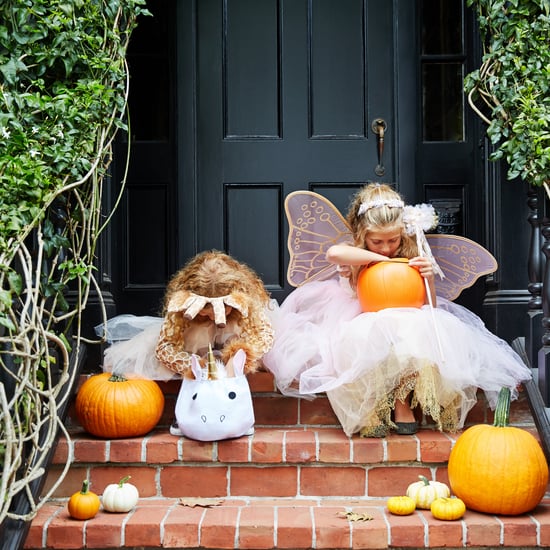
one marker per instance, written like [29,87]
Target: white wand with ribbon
[418,219]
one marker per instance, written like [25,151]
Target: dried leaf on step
[202,502]
[356,516]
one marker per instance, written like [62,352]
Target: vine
[511,89]
[62,100]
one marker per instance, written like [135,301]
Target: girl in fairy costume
[378,367]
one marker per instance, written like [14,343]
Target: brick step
[284,523]
[286,486]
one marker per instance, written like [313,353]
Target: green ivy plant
[63,96]
[511,89]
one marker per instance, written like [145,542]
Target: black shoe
[406,428]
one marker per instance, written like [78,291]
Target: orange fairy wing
[462,261]
[315,224]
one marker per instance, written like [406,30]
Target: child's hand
[424,266]
[344,271]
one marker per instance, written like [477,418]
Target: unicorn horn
[212,367]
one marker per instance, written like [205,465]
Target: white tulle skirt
[365,361]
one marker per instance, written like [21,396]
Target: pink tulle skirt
[365,361]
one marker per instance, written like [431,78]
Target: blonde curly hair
[214,274]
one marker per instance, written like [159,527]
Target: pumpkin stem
[502,410]
[85,487]
[123,480]
[424,479]
[117,378]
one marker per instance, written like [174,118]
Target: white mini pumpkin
[424,492]
[120,497]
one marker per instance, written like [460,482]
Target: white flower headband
[377,203]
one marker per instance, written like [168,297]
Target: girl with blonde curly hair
[219,301]
[215,302]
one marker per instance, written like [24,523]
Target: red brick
[219,527]
[542,515]
[406,531]
[372,533]
[261,382]
[443,533]
[37,532]
[256,527]
[72,481]
[110,534]
[300,446]
[65,532]
[196,451]
[368,450]
[317,412]
[482,529]
[434,446]
[126,450]
[141,477]
[88,448]
[332,481]
[181,527]
[267,446]
[162,448]
[265,482]
[234,450]
[275,411]
[394,480]
[402,449]
[294,527]
[143,526]
[334,446]
[520,531]
[332,530]
[193,481]
[61,451]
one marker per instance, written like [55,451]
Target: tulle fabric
[133,343]
[365,361]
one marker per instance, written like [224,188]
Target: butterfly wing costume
[366,361]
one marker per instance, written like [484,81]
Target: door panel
[287,92]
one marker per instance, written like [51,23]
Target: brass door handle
[379,127]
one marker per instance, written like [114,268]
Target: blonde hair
[376,207]
[213,274]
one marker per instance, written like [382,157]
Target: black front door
[239,102]
[287,93]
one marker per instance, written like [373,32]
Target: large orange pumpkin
[498,469]
[392,283]
[113,406]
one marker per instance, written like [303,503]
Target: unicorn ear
[196,367]
[239,360]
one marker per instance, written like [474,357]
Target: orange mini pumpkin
[392,283]
[113,406]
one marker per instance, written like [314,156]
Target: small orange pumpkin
[498,469]
[84,504]
[113,406]
[391,283]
